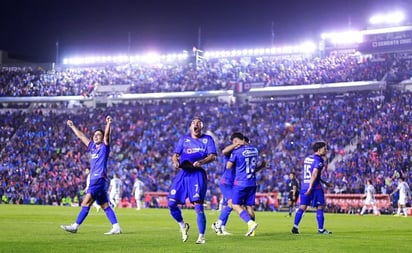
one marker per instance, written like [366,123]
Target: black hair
[237,135]
[246,139]
[99,130]
[318,145]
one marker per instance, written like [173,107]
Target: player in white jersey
[404,196]
[115,190]
[138,192]
[370,200]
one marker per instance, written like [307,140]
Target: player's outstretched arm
[107,130]
[78,133]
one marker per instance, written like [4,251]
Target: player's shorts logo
[173,192]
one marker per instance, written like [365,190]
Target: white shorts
[403,201]
[370,201]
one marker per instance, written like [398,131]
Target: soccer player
[370,198]
[226,185]
[115,190]
[244,161]
[138,192]
[191,152]
[311,188]
[404,196]
[293,188]
[99,149]
[87,187]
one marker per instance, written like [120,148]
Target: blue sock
[321,218]
[245,216]
[224,215]
[201,218]
[83,214]
[175,211]
[298,217]
[110,215]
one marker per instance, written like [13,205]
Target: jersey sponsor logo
[250,152]
[194,150]
[187,140]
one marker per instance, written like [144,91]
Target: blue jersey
[228,176]
[98,161]
[191,182]
[244,159]
[310,163]
[192,150]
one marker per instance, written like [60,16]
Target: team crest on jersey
[95,156]
[204,140]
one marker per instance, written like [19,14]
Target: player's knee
[199,208]
[172,204]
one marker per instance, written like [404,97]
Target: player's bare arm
[175,160]
[107,130]
[78,133]
[208,159]
[228,149]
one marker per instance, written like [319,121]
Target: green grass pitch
[37,229]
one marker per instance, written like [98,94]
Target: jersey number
[250,166]
[307,173]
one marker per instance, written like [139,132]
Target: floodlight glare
[388,18]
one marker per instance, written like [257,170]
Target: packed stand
[43,162]
[214,74]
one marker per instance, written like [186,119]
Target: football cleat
[184,232]
[324,232]
[201,240]
[114,231]
[295,230]
[69,228]
[251,228]
[224,232]
[218,230]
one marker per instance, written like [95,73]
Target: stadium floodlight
[396,17]
[308,47]
[347,37]
[151,57]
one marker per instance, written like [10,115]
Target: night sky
[31,28]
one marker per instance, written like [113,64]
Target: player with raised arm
[244,161]
[191,152]
[311,188]
[404,196]
[99,149]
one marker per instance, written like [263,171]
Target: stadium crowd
[41,162]
[207,75]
